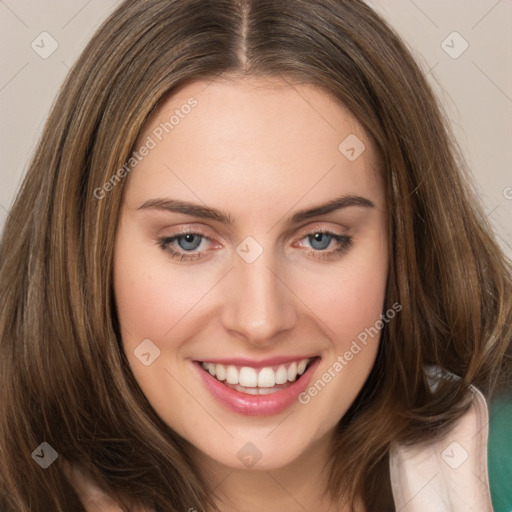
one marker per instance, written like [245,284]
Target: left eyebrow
[173,205]
[331,206]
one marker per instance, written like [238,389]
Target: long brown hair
[64,378]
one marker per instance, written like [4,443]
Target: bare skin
[259,151]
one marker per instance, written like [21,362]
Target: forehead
[253,136]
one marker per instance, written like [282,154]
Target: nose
[258,302]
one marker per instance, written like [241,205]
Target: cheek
[351,309]
[152,294]
[349,298]
[157,300]
[146,305]
[153,304]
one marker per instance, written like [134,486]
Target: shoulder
[91,496]
[449,473]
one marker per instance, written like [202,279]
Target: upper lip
[242,361]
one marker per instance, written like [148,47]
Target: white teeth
[248,377]
[256,391]
[232,374]
[292,372]
[220,372]
[266,378]
[263,379]
[281,375]
[266,391]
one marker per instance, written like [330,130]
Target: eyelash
[344,243]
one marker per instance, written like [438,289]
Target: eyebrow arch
[173,205]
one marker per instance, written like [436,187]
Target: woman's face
[252,242]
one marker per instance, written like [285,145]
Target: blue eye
[184,246]
[187,243]
[191,241]
[321,240]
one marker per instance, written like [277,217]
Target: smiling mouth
[258,381]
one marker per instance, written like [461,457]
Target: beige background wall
[471,71]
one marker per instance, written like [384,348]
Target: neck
[295,487]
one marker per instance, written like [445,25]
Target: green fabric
[500,453]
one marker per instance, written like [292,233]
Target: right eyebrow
[173,205]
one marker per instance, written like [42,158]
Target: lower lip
[257,405]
